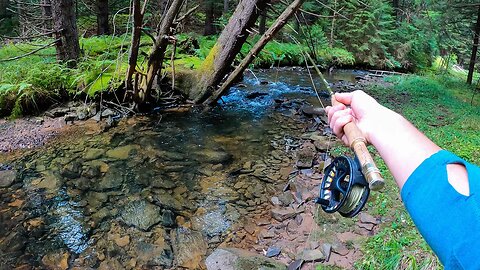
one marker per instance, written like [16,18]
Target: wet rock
[110,264]
[168,218]
[121,241]
[309,255]
[92,171]
[49,182]
[71,170]
[93,153]
[160,182]
[213,156]
[166,200]
[7,177]
[113,179]
[121,152]
[305,155]
[56,261]
[295,265]
[150,255]
[273,251]
[189,248]
[238,259]
[15,241]
[312,110]
[141,214]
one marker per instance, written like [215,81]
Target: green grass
[440,107]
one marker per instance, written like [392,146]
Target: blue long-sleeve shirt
[448,220]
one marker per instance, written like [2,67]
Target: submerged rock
[239,259]
[141,214]
[7,178]
[214,156]
[121,152]
[189,248]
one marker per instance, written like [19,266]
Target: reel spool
[344,188]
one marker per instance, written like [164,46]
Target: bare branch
[30,53]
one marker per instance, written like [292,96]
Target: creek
[159,191]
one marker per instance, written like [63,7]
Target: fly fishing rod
[347,181]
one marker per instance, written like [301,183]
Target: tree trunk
[221,56]
[279,23]
[157,54]
[225,7]
[65,26]
[473,57]
[136,33]
[102,17]
[210,28]
[332,29]
[46,15]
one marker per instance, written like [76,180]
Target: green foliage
[369,32]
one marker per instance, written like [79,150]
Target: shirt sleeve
[448,220]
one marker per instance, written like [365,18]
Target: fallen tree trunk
[279,23]
[221,56]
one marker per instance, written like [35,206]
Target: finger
[338,114]
[333,110]
[345,98]
[345,140]
[340,123]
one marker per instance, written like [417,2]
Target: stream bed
[161,191]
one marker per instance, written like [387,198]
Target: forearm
[401,145]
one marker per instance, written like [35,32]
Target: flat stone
[282,214]
[141,214]
[367,218]
[239,259]
[309,255]
[93,153]
[56,261]
[189,248]
[295,265]
[7,178]
[213,157]
[273,251]
[121,152]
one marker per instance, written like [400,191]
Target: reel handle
[358,144]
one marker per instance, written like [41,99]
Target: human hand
[363,110]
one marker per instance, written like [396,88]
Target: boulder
[238,259]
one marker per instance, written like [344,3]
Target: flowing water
[157,191]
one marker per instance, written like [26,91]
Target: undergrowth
[442,107]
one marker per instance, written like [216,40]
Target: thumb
[345,98]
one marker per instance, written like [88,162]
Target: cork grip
[358,145]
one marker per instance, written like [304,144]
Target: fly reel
[344,188]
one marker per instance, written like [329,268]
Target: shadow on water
[152,190]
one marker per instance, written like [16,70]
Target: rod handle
[358,144]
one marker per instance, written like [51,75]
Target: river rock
[93,153]
[7,178]
[121,152]
[282,214]
[305,155]
[56,261]
[141,214]
[214,156]
[150,255]
[239,259]
[71,170]
[273,251]
[113,179]
[189,248]
[310,255]
[160,182]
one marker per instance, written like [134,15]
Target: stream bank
[165,191]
